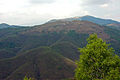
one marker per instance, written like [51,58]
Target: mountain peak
[90,18]
[4,24]
[87,16]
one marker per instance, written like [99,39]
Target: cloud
[41,1]
[104,5]
[95,2]
[25,18]
[103,8]
[27,13]
[32,12]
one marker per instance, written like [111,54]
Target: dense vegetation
[97,61]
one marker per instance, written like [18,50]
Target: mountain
[85,27]
[73,30]
[99,20]
[48,51]
[17,40]
[93,19]
[41,63]
[114,26]
[4,25]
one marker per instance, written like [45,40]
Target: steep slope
[67,49]
[76,32]
[73,29]
[114,26]
[40,63]
[66,26]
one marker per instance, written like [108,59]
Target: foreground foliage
[97,61]
[26,78]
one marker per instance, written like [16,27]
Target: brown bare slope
[66,26]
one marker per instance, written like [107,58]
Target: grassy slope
[67,49]
[40,63]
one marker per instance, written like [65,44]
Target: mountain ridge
[40,63]
[93,19]
[5,25]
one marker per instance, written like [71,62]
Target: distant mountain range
[100,21]
[49,51]
[105,22]
[4,25]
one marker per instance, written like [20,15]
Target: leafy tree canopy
[26,78]
[97,61]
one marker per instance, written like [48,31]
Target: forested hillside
[48,51]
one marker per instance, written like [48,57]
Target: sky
[35,12]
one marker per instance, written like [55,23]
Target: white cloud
[101,8]
[41,1]
[104,5]
[95,2]
[30,12]
[25,13]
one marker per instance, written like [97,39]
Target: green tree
[97,61]
[26,78]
